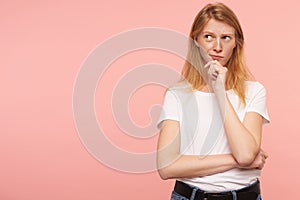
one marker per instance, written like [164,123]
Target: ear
[235,40]
[235,44]
[196,43]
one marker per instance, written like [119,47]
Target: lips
[215,57]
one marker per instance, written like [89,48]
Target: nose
[218,46]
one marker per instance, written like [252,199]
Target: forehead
[218,27]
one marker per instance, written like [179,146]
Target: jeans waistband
[194,193]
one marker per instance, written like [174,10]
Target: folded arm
[244,138]
[171,164]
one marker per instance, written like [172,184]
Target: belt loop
[193,194]
[234,197]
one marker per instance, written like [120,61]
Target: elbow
[167,168]
[245,160]
[168,171]
[165,173]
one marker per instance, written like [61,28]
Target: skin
[217,38]
[244,138]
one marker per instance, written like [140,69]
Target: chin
[224,65]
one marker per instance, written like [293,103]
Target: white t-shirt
[199,117]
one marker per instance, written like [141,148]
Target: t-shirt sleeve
[170,109]
[258,104]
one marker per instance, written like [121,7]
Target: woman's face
[218,39]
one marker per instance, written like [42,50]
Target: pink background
[43,44]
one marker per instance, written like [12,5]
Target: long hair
[237,73]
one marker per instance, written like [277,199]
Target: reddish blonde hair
[237,73]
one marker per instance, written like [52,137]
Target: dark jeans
[235,194]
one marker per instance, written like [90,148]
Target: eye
[208,37]
[226,37]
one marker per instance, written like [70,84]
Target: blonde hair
[237,73]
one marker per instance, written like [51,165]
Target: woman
[211,122]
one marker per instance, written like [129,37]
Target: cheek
[227,55]
[205,45]
[229,51]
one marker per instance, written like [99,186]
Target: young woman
[211,122]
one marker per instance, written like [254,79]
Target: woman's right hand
[216,75]
[258,162]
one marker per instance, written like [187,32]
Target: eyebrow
[223,34]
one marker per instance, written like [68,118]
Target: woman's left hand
[216,75]
[259,161]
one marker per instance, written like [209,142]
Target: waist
[250,192]
[226,181]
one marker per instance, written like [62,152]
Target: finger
[211,70]
[219,67]
[221,70]
[215,73]
[214,76]
[260,167]
[265,155]
[207,65]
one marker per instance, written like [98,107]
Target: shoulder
[183,93]
[254,88]
[254,85]
[181,86]
[180,89]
